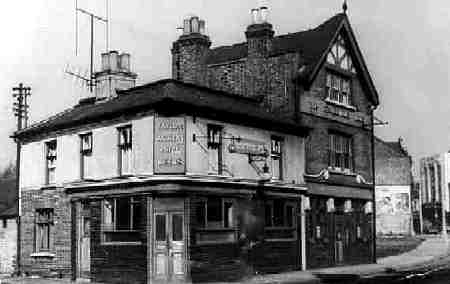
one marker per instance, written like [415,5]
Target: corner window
[340,152]
[122,219]
[86,155]
[44,224]
[214,149]
[50,158]
[276,155]
[125,150]
[338,89]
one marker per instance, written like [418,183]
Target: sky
[405,43]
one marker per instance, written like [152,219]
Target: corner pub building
[255,157]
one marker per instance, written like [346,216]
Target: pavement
[434,251]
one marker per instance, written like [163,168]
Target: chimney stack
[114,75]
[255,13]
[264,13]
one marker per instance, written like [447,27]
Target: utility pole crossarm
[92,15]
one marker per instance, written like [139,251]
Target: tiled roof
[311,44]
[166,93]
[8,197]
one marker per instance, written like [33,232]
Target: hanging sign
[169,145]
[249,148]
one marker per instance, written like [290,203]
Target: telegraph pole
[20,109]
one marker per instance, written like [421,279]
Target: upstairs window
[214,149]
[125,150]
[44,224]
[340,152]
[50,158]
[338,89]
[276,155]
[122,219]
[86,155]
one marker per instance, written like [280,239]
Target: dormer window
[338,89]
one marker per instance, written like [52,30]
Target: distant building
[8,225]
[434,189]
[393,172]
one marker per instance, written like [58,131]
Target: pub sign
[170,145]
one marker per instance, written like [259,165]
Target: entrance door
[84,241]
[339,244]
[169,255]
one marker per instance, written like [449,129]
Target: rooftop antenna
[90,79]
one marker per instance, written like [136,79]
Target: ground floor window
[280,219]
[44,224]
[122,219]
[215,220]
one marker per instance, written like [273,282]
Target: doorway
[169,246]
[83,227]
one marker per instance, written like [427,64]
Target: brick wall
[8,246]
[59,264]
[391,167]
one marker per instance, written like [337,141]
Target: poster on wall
[170,145]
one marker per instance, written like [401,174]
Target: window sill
[349,107]
[206,229]
[50,186]
[342,171]
[281,240]
[121,243]
[43,254]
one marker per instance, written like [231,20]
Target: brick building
[8,227]
[255,157]
[393,192]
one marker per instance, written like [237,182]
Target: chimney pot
[105,61]
[201,25]
[125,62]
[194,25]
[113,60]
[254,12]
[264,13]
[186,26]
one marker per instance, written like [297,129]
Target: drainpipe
[303,232]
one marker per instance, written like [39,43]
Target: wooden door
[169,252]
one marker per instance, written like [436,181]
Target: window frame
[341,152]
[204,229]
[212,145]
[277,155]
[273,227]
[339,89]
[107,228]
[42,226]
[50,164]
[85,153]
[123,147]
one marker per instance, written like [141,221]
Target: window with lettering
[125,158]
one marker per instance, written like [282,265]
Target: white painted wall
[392,217]
[105,153]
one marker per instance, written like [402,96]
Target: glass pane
[228,214]
[278,214]
[108,216]
[160,227]
[214,210]
[289,216]
[177,227]
[268,215]
[137,216]
[201,214]
[123,214]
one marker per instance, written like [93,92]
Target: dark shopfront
[175,232]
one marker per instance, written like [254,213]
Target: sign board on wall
[170,145]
